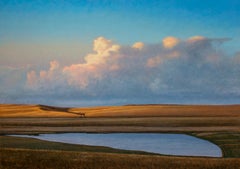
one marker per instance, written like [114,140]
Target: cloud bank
[175,70]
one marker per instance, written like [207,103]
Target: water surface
[169,144]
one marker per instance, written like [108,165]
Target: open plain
[218,124]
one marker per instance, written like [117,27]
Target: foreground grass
[32,159]
[228,142]
[36,154]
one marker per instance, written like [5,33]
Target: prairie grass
[120,124]
[36,144]
[8,110]
[42,159]
[28,153]
[229,142]
[219,124]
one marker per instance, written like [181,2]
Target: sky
[114,52]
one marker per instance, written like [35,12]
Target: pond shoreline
[162,143]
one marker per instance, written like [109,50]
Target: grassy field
[8,110]
[218,124]
[32,159]
[32,153]
[120,124]
[11,142]
[228,142]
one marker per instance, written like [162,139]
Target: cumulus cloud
[138,45]
[195,39]
[45,79]
[191,68]
[170,42]
[103,48]
[102,60]
[32,79]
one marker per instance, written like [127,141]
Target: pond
[168,144]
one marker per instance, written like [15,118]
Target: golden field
[132,118]
[8,110]
[218,124]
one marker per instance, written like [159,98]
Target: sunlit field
[8,110]
[218,124]
[153,75]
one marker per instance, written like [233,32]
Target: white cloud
[195,39]
[138,45]
[32,79]
[96,63]
[103,48]
[170,42]
[46,79]
[174,67]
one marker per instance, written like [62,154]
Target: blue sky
[125,21]
[36,33]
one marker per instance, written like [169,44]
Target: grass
[30,153]
[31,159]
[8,110]
[123,121]
[36,144]
[218,124]
[228,142]
[120,124]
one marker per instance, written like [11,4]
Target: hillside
[11,110]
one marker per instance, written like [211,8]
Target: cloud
[159,59]
[54,65]
[138,45]
[170,42]
[194,39]
[174,70]
[32,79]
[51,73]
[103,48]
[103,60]
[46,79]
[155,61]
[237,58]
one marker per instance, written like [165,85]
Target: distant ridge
[23,110]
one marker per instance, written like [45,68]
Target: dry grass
[219,124]
[123,124]
[229,142]
[10,110]
[38,154]
[10,142]
[32,159]
[161,110]
[121,111]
